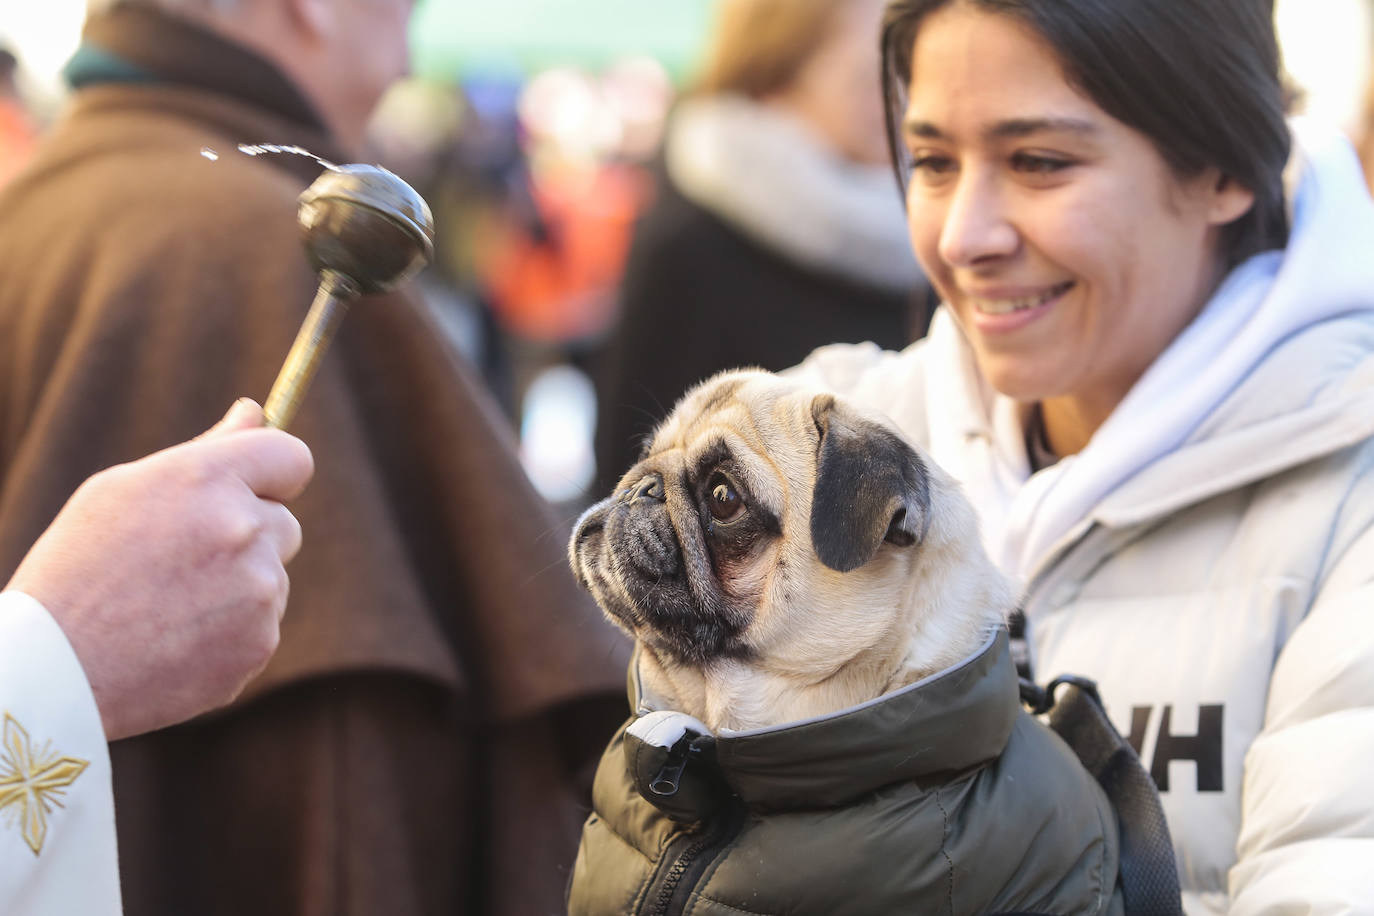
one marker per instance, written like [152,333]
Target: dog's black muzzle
[643,532]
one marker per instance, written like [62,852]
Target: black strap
[1020,648]
[1149,877]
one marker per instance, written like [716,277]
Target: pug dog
[780,554]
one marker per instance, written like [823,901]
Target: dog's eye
[726,504]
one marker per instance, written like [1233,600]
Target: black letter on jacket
[1204,749]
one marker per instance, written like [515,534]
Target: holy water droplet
[257,149]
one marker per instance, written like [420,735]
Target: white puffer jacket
[1209,557]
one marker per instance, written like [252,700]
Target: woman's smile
[999,302]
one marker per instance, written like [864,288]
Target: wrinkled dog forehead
[759,421]
[750,399]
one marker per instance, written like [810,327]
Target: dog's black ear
[871,487]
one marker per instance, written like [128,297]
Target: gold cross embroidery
[32,783]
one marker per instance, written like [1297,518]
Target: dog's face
[775,540]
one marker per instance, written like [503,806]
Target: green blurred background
[454,40]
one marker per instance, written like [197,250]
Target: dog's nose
[649,487]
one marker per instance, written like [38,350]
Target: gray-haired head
[341,56]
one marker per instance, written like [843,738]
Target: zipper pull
[670,775]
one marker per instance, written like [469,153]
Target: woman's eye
[1039,165]
[931,164]
[724,502]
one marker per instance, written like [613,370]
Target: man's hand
[167,574]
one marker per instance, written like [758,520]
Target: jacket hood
[945,724]
[1272,372]
[767,175]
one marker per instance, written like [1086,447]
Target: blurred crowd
[543,182]
[538,180]
[573,209]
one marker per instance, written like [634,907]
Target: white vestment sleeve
[57,828]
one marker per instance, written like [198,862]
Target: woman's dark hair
[1200,78]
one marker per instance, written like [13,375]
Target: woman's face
[1069,252]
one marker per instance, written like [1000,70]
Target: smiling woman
[1067,248]
[1151,340]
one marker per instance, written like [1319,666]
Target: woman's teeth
[1007,306]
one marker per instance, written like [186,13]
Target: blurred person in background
[775,227]
[416,744]
[458,146]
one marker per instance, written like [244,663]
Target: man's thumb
[245,413]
